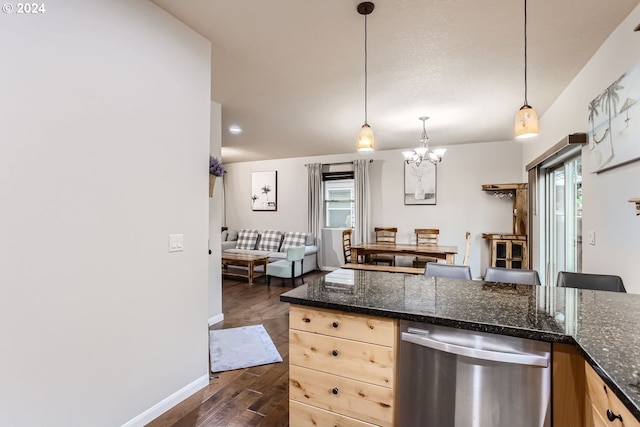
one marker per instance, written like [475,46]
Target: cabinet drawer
[301,415]
[602,399]
[341,395]
[360,361]
[359,327]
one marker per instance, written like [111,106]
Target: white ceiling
[290,73]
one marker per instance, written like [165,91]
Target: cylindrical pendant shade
[365,138]
[526,124]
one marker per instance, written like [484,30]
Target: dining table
[446,253]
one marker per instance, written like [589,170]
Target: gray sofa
[271,243]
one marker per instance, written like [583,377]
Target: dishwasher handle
[476,353]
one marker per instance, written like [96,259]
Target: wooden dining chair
[346,245]
[465,260]
[425,236]
[384,236]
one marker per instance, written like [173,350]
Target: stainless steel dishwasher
[452,377]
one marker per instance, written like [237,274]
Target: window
[339,203]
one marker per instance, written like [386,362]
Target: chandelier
[420,153]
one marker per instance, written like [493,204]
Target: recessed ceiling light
[234,129]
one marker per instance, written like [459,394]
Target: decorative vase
[419,191]
[212,182]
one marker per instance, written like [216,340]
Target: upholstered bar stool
[511,275]
[596,282]
[451,271]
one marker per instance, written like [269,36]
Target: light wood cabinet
[603,406]
[568,395]
[342,368]
[301,414]
[508,250]
[580,396]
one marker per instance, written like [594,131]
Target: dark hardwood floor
[257,396]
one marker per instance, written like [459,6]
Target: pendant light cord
[365,69]
[526,102]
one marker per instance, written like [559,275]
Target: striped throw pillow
[270,240]
[293,238]
[247,239]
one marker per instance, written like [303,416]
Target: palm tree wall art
[614,123]
[264,191]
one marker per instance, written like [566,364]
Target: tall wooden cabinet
[510,249]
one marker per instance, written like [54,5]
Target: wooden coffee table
[244,260]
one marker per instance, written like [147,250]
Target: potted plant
[216,168]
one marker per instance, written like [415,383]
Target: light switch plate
[592,237]
[176,242]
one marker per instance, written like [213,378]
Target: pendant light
[526,124]
[365,137]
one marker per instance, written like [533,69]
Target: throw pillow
[293,238]
[270,240]
[247,239]
[223,236]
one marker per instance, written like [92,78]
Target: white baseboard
[161,407]
[216,319]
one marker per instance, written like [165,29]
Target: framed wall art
[264,191]
[419,183]
[614,123]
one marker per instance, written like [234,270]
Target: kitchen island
[602,327]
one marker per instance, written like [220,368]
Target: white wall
[461,204]
[104,142]
[606,209]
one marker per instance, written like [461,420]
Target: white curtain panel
[363,208]
[314,226]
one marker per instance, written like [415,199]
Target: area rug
[242,347]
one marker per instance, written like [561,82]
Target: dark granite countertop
[605,326]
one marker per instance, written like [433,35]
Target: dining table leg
[451,258]
[354,256]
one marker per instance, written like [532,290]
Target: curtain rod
[339,163]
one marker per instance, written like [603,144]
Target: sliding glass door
[564,217]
